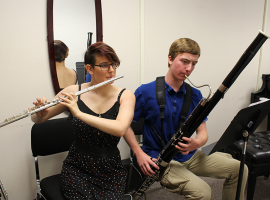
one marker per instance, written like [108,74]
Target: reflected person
[66,76]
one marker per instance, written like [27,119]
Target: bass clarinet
[201,111]
[54,102]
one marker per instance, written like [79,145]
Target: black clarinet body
[200,113]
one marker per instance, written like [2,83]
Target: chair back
[135,175]
[137,127]
[51,137]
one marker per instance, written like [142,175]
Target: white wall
[73,30]
[24,76]
[223,29]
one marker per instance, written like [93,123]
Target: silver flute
[54,102]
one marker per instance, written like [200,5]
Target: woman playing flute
[100,117]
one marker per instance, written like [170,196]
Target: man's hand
[191,144]
[194,143]
[145,162]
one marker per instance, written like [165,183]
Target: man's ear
[170,60]
[89,68]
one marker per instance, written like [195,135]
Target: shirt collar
[170,89]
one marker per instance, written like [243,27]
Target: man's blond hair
[183,45]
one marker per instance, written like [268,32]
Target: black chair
[257,157]
[137,128]
[81,72]
[48,138]
[135,175]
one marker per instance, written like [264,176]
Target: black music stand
[245,122]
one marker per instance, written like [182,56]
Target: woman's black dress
[93,168]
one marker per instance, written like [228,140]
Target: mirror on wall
[72,21]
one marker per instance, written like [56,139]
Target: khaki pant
[182,178]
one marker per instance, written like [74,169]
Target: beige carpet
[156,192]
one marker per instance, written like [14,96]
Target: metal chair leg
[39,195]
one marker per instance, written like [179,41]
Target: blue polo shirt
[146,107]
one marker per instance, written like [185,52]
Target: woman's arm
[117,127]
[48,113]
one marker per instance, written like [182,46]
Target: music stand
[245,122]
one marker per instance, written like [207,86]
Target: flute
[54,102]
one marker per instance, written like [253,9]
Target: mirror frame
[50,38]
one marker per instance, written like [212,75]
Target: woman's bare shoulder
[71,88]
[127,94]
[71,71]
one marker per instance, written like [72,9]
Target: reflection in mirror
[66,76]
[70,21]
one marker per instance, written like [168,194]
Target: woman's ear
[67,54]
[89,68]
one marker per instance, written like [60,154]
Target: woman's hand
[70,100]
[39,102]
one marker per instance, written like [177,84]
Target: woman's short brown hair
[99,49]
[60,50]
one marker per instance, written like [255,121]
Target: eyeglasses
[106,67]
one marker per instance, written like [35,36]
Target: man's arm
[194,143]
[144,161]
